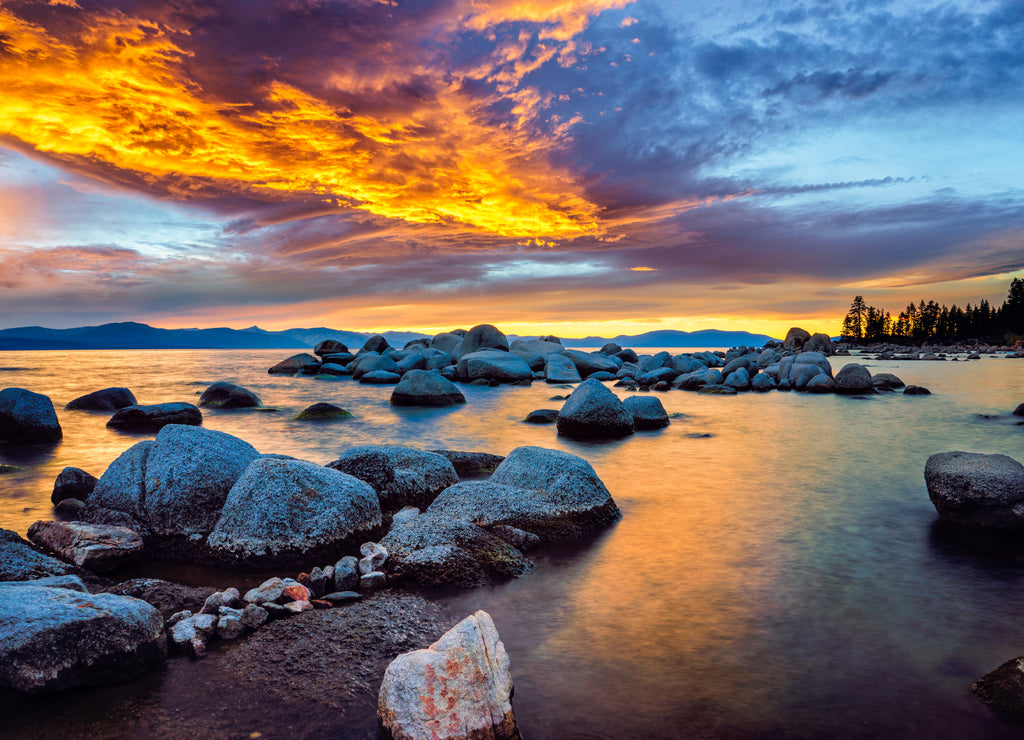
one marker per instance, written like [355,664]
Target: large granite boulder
[108,399]
[797,370]
[224,395]
[377,343]
[493,364]
[401,476]
[438,550]
[588,363]
[536,347]
[592,410]
[424,388]
[819,343]
[978,491]
[458,688]
[647,412]
[550,493]
[683,364]
[57,638]
[27,417]
[471,464]
[483,336]
[284,511]
[173,486]
[330,347]
[155,417]
[796,338]
[852,379]
[448,343]
[292,365]
[72,483]
[95,547]
[561,369]
[372,362]
[20,560]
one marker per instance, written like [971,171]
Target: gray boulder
[762,383]
[424,388]
[977,491]
[493,364]
[536,347]
[377,343]
[458,688]
[401,476]
[738,379]
[27,417]
[683,364]
[592,410]
[483,336]
[372,362]
[542,416]
[448,343]
[155,417]
[471,464]
[886,382]
[560,369]
[820,383]
[95,547]
[380,377]
[820,343]
[72,483]
[323,412]
[852,379]
[490,559]
[223,395]
[647,412]
[108,399]
[22,561]
[796,338]
[698,379]
[57,638]
[283,511]
[588,363]
[292,365]
[329,347]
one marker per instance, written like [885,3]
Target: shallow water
[782,577]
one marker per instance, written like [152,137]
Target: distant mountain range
[131,335]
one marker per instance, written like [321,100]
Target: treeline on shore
[931,322]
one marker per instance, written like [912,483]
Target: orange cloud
[112,96]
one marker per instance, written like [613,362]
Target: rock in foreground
[978,491]
[27,417]
[594,411]
[96,547]
[56,638]
[458,688]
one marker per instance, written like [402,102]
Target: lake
[778,570]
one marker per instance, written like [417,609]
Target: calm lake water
[778,571]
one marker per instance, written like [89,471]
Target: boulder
[536,347]
[448,343]
[57,638]
[292,365]
[329,347]
[471,464]
[27,417]
[738,379]
[796,338]
[717,390]
[95,547]
[916,390]
[168,597]
[588,363]
[698,379]
[762,382]
[886,382]
[1019,411]
[977,491]
[377,343]
[592,410]
[175,485]
[820,383]
[647,412]
[332,370]
[223,395]
[483,336]
[22,561]
[458,688]
[323,412]
[401,476]
[380,377]
[552,494]
[542,416]
[490,559]
[372,362]
[819,343]
[683,364]
[108,399]
[155,417]
[493,364]
[72,483]
[424,388]
[1003,690]
[560,369]
[290,512]
[853,379]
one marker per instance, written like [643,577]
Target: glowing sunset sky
[602,166]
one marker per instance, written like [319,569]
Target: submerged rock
[323,412]
[223,395]
[156,417]
[977,491]
[424,388]
[592,410]
[27,417]
[457,689]
[107,399]
[57,638]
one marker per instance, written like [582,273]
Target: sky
[547,166]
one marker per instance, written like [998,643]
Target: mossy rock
[323,412]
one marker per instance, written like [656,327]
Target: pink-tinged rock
[295,591]
[458,688]
[297,607]
[97,547]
